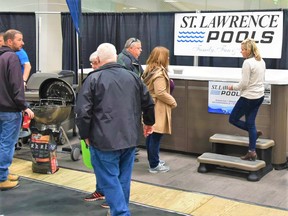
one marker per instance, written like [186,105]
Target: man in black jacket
[129,58]
[12,103]
[109,110]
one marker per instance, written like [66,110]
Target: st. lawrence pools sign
[220,34]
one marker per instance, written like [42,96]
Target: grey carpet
[34,198]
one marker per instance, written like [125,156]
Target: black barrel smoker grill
[56,103]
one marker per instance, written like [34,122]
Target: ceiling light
[170,1]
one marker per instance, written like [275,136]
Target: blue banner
[75,11]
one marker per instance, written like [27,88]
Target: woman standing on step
[251,87]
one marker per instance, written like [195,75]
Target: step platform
[209,161]
[240,141]
[238,145]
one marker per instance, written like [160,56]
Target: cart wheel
[60,139]
[18,145]
[75,153]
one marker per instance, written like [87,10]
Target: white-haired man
[109,110]
[98,193]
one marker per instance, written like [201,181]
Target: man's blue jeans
[153,148]
[98,187]
[248,108]
[113,171]
[10,124]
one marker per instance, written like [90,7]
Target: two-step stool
[226,153]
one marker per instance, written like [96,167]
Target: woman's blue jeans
[113,170]
[10,124]
[153,148]
[248,108]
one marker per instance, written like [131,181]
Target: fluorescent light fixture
[170,1]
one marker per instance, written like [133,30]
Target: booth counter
[272,76]
[192,124]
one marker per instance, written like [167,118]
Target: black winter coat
[109,108]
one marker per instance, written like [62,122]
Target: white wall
[50,42]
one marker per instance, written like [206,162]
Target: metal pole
[80,45]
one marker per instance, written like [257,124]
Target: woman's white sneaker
[159,168]
[162,162]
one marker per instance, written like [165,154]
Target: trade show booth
[192,124]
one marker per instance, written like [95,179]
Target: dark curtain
[26,23]
[153,29]
[69,46]
[283,62]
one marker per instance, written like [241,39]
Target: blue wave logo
[190,41]
[179,36]
[191,32]
[215,92]
[190,37]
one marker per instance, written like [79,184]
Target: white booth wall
[49,58]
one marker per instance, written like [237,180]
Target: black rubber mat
[34,198]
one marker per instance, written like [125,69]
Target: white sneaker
[159,168]
[162,162]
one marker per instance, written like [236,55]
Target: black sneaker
[94,196]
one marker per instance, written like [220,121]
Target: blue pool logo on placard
[190,36]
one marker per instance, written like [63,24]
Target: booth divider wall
[279,123]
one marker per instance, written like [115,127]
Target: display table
[192,125]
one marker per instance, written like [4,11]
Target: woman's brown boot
[259,133]
[251,156]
